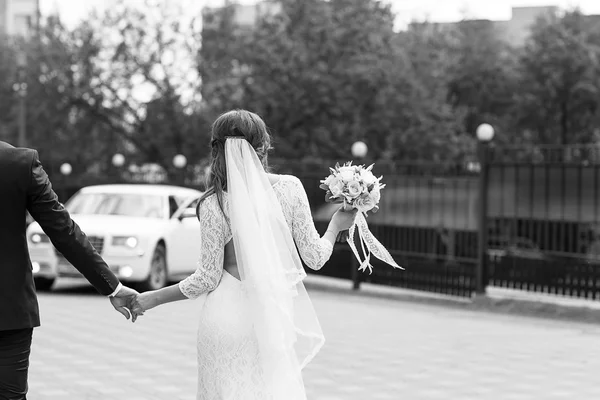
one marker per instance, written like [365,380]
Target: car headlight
[37,238]
[125,241]
[35,267]
[126,271]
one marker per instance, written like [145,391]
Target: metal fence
[543,218]
[541,228]
[427,222]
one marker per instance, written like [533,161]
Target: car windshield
[131,205]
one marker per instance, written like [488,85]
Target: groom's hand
[123,300]
[143,302]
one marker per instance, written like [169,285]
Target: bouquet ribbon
[369,244]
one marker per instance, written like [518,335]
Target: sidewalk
[500,300]
[375,349]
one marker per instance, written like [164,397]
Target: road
[376,349]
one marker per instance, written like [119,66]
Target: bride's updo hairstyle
[235,123]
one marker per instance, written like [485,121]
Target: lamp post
[180,162]
[21,89]
[485,133]
[359,151]
[118,160]
[65,170]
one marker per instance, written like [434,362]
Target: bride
[258,328]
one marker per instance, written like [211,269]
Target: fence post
[485,133]
[354,272]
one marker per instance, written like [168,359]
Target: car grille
[96,241]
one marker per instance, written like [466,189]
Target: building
[17,17]
[243,15]
[516,30]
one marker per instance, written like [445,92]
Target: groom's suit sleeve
[65,234]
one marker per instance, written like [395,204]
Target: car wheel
[157,277]
[43,284]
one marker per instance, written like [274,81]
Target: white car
[147,234]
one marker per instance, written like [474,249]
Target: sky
[406,10]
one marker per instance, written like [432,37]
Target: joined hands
[131,303]
[124,300]
[142,303]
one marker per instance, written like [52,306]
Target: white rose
[367,177]
[329,179]
[364,203]
[346,174]
[336,187]
[354,189]
[375,194]
[365,187]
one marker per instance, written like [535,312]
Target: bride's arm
[210,263]
[147,300]
[313,249]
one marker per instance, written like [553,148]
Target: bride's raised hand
[342,219]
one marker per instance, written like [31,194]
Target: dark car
[519,260]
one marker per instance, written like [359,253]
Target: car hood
[111,224]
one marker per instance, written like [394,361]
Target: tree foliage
[145,89]
[481,76]
[559,80]
[326,74]
[146,82]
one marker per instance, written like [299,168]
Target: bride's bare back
[229,260]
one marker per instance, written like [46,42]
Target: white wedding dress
[228,353]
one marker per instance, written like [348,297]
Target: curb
[496,300]
[549,307]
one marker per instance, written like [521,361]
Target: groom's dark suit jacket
[25,186]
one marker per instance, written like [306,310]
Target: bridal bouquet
[356,187]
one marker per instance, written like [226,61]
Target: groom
[24,186]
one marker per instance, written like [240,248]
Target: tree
[217,59]
[481,76]
[324,74]
[54,126]
[8,77]
[144,89]
[433,127]
[558,100]
[120,82]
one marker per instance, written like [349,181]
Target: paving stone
[376,348]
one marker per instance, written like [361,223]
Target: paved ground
[376,349]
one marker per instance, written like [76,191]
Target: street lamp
[484,133]
[66,169]
[21,89]
[180,161]
[359,149]
[118,160]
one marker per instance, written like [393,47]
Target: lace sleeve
[314,250]
[212,247]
